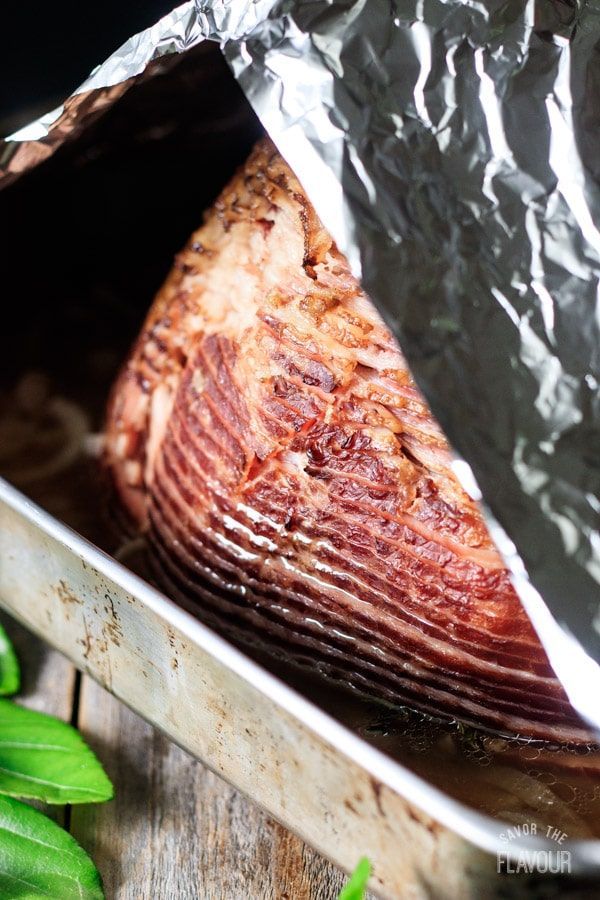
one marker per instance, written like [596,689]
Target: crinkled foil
[451,147]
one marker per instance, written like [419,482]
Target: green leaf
[39,859]
[44,758]
[356,888]
[10,674]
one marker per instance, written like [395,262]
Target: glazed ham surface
[267,435]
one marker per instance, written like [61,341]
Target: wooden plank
[176,830]
[47,678]
[48,682]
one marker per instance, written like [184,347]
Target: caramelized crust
[267,435]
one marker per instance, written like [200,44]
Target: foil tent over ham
[450,148]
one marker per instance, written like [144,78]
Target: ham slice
[267,435]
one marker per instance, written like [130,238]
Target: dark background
[88,235]
[48,48]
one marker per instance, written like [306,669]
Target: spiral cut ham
[267,435]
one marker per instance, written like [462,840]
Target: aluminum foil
[450,146]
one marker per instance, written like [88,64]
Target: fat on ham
[266,435]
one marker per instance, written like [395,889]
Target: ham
[267,436]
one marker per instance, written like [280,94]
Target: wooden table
[175,831]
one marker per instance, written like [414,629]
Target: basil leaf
[10,674]
[39,859]
[46,759]
[356,888]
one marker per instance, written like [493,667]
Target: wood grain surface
[175,831]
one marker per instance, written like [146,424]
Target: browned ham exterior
[267,435]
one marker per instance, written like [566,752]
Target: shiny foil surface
[452,150]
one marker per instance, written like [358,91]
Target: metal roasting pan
[314,775]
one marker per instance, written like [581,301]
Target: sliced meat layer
[267,435]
